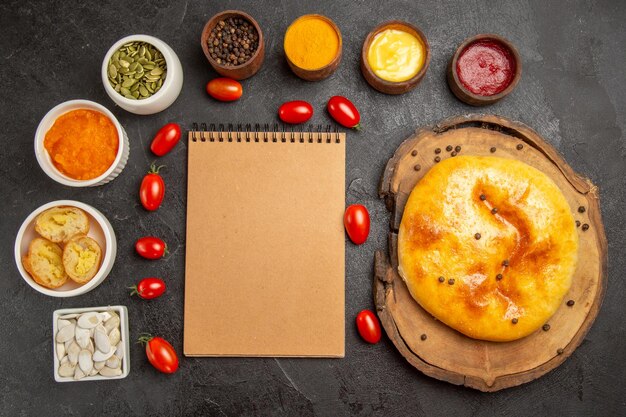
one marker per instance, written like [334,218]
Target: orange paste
[82,144]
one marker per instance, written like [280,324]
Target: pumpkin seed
[137,70]
[128,82]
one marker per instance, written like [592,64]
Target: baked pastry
[60,224]
[488,246]
[44,263]
[81,258]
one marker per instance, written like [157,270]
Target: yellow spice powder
[311,43]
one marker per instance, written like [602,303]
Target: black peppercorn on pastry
[502,236]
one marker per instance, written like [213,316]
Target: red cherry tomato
[151,247]
[344,112]
[166,138]
[160,353]
[294,112]
[149,288]
[152,189]
[357,223]
[224,89]
[368,326]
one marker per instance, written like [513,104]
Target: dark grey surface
[572,92]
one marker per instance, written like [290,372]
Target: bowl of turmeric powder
[80,143]
[313,47]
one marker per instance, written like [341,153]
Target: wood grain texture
[488,366]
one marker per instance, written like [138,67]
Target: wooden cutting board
[436,349]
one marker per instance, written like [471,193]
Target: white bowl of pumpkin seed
[142,74]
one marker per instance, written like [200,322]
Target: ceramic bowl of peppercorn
[232,42]
[142,74]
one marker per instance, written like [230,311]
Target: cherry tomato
[149,288]
[160,353]
[344,112]
[166,138]
[368,326]
[152,189]
[357,223]
[294,112]
[224,89]
[151,247]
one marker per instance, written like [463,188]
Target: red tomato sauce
[486,67]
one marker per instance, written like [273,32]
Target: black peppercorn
[494,210]
[546,327]
[493,149]
[451,281]
[577,223]
[515,320]
[499,277]
[570,303]
[441,279]
[585,227]
[505,262]
[519,147]
[449,148]
[581,209]
[453,153]
[417,167]
[559,351]
[483,197]
[232,42]
[457,148]
[424,337]
[413,153]
[438,150]
[477,236]
[437,159]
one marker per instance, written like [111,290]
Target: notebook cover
[265,248]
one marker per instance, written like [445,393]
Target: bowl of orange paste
[313,47]
[80,143]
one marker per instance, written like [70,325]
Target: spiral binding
[263,133]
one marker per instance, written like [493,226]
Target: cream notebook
[265,243]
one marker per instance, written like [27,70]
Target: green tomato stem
[144,338]
[155,169]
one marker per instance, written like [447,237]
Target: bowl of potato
[65,248]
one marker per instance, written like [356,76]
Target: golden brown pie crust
[488,246]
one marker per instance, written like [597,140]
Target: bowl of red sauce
[484,69]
